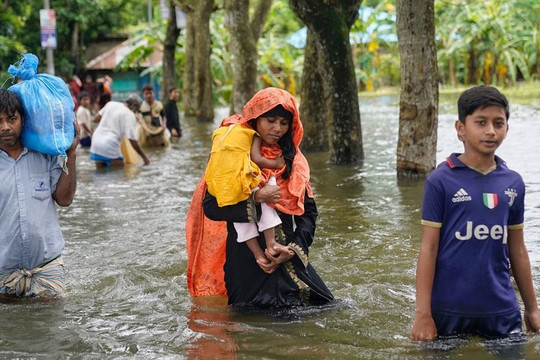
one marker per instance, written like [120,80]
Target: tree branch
[259,18]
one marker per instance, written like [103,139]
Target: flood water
[125,259]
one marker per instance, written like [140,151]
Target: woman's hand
[284,254]
[269,194]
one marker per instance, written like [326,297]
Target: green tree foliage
[280,63]
[491,41]
[94,19]
[14,39]
[375,45]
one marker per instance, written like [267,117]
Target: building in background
[129,81]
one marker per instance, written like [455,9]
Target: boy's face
[148,95]
[174,95]
[10,130]
[484,130]
[85,101]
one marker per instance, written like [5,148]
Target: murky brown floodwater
[125,259]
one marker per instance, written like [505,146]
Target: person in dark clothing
[171,113]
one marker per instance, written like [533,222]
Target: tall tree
[245,32]
[330,22]
[169,49]
[312,96]
[418,105]
[197,92]
[204,99]
[188,85]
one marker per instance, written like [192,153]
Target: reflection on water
[211,330]
[125,260]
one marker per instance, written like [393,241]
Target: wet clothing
[171,114]
[117,120]
[294,283]
[30,233]
[104,159]
[151,131]
[488,327]
[153,115]
[86,142]
[474,212]
[219,265]
[230,174]
[47,278]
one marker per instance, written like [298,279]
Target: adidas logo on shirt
[461,196]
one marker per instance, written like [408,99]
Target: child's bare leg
[253,245]
[271,244]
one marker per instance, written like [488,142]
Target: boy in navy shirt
[472,233]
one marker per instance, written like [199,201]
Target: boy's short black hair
[83,94]
[172,89]
[147,86]
[481,97]
[10,103]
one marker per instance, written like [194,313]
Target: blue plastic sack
[48,108]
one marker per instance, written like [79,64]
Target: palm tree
[492,37]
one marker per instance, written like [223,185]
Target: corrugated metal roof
[112,57]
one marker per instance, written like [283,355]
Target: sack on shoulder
[48,108]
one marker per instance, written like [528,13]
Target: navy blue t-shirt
[474,212]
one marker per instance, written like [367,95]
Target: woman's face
[272,128]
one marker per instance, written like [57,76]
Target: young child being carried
[472,234]
[234,172]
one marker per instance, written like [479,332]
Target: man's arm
[87,129]
[67,183]
[423,328]
[139,151]
[521,268]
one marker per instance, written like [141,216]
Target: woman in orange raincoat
[218,264]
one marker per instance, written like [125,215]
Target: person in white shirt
[84,118]
[116,120]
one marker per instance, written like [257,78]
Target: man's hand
[532,320]
[76,139]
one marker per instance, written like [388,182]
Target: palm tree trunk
[471,68]
[452,72]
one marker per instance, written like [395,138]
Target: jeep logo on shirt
[482,232]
